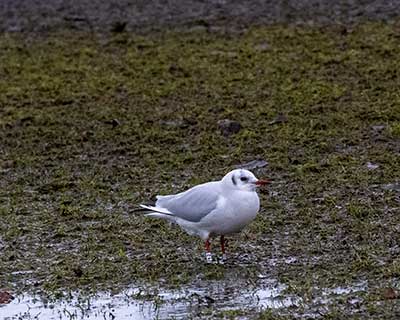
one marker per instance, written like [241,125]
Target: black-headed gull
[216,208]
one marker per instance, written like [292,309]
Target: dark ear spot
[233,180]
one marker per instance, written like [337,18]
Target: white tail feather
[158,212]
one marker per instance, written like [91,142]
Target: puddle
[328,295]
[153,303]
[136,304]
[360,286]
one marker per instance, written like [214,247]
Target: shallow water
[155,303]
[136,303]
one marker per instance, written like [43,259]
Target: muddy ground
[97,116]
[103,16]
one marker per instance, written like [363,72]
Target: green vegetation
[91,125]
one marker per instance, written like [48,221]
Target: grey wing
[193,204]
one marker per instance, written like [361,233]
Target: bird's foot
[222,259]
[209,258]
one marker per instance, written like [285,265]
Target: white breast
[232,214]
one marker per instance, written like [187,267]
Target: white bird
[216,208]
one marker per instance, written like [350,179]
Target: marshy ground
[93,123]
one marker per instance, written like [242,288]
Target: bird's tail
[156,212]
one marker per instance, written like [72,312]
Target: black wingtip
[151,203]
[140,209]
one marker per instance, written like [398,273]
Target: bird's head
[243,180]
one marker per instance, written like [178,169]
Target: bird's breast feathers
[244,203]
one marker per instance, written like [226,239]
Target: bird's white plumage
[214,208]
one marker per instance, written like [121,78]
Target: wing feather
[193,204]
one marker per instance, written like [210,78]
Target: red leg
[207,246]
[223,257]
[223,244]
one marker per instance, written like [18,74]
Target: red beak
[262,182]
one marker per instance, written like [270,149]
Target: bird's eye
[244,179]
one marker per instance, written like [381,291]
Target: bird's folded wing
[193,204]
